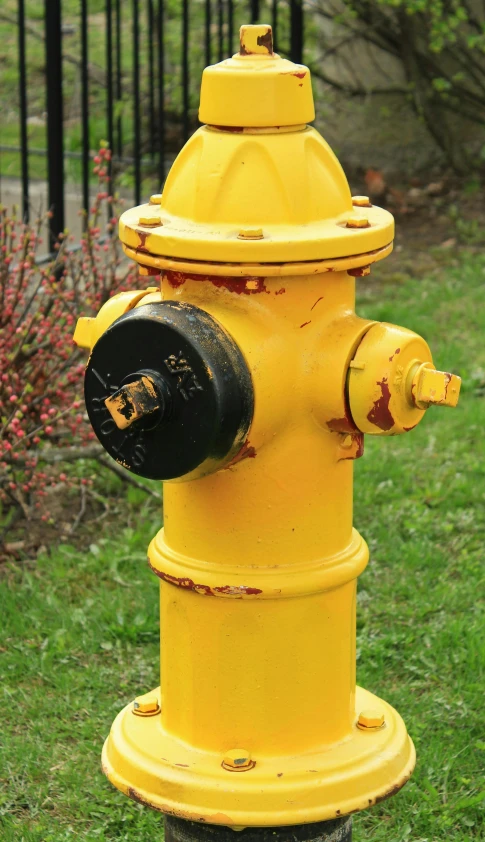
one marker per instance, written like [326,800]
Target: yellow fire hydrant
[247,382]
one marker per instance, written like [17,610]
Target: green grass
[79,630]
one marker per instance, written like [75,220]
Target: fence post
[24,151]
[296,28]
[55,126]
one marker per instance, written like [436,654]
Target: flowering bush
[41,408]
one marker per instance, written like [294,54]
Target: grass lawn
[79,631]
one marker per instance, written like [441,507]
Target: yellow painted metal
[258,566]
[88,330]
[258,562]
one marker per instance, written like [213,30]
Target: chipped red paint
[342,425]
[357,449]
[237,285]
[151,270]
[175,279]
[280,291]
[380,414]
[246,452]
[316,302]
[407,429]
[305,324]
[397,351]
[206,590]
[142,236]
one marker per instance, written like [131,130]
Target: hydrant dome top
[256,87]
[256,184]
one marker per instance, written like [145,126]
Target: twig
[81,512]
[126,477]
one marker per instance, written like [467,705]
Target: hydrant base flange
[151,766]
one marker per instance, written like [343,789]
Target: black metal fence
[141,90]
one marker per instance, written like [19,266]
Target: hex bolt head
[251,234]
[146,705]
[150,221]
[237,760]
[434,387]
[361,202]
[357,222]
[371,720]
[155,199]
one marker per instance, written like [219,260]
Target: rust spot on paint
[359,271]
[316,302]
[407,429]
[135,796]
[266,41]
[392,791]
[305,324]
[300,74]
[184,765]
[279,775]
[280,291]
[397,351]
[233,129]
[151,270]
[380,414]
[247,452]
[247,285]
[237,591]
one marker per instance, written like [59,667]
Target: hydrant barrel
[246,381]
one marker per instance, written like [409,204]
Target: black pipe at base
[336,830]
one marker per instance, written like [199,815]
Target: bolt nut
[361,202]
[237,760]
[357,222]
[150,221]
[370,720]
[146,705]
[156,199]
[251,234]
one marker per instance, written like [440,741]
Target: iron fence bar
[151,79]
[23,111]
[208,33]
[161,93]
[119,84]
[185,69]
[274,21]
[109,95]
[254,11]
[296,31]
[109,74]
[84,106]
[136,102]
[230,26]
[55,127]
[220,30]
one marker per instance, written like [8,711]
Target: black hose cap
[168,392]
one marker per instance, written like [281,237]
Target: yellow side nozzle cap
[256,88]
